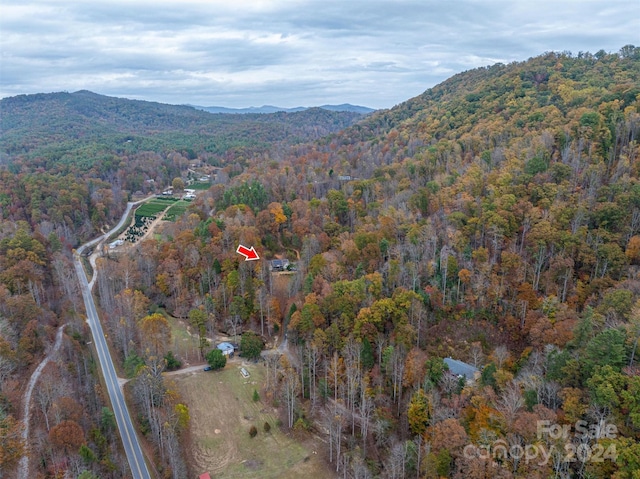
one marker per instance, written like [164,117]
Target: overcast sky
[238,53]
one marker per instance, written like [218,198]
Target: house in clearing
[204,476]
[462,370]
[226,348]
[279,264]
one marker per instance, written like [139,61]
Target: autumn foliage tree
[418,413]
[67,435]
[12,445]
[156,334]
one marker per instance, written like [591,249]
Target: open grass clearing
[176,210]
[222,412]
[199,185]
[183,345]
[152,207]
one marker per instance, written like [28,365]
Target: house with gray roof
[279,264]
[462,369]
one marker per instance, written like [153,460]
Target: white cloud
[376,53]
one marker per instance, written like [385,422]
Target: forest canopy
[494,220]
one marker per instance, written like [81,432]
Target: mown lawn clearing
[222,412]
[183,345]
[176,210]
[152,207]
[198,185]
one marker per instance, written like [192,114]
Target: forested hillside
[78,127]
[68,165]
[494,219]
[72,159]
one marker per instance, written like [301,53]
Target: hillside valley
[456,278]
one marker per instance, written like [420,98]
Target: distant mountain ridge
[363,110]
[84,124]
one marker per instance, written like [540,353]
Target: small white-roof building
[116,243]
[226,348]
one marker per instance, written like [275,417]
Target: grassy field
[183,344]
[222,412]
[152,207]
[176,210]
[156,205]
[199,185]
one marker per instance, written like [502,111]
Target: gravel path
[23,467]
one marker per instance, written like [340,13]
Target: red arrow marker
[249,254]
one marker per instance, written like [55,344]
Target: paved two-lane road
[130,440]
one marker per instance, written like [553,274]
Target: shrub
[172,362]
[256,396]
[267,427]
[302,424]
[253,431]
